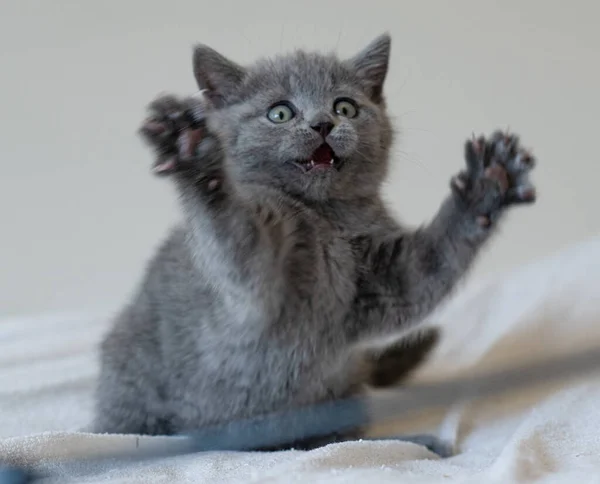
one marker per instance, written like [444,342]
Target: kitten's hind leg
[395,363]
[129,396]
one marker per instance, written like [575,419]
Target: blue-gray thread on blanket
[324,419]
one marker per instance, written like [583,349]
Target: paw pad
[174,129]
[497,175]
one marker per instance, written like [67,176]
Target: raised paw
[174,129]
[497,176]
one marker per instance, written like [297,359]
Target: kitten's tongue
[322,155]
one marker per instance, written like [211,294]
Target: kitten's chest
[326,274]
[339,267]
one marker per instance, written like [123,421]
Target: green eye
[345,107]
[280,113]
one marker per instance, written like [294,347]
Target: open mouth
[322,158]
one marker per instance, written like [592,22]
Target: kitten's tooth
[331,161]
[312,163]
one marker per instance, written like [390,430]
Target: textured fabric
[545,434]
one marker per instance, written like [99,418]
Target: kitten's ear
[216,74]
[371,65]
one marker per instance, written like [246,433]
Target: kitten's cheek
[343,147]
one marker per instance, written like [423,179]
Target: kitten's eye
[345,107]
[280,113]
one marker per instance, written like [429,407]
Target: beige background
[80,213]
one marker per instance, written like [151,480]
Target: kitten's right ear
[215,74]
[371,65]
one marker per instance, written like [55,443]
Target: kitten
[287,258]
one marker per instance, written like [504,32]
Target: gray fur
[260,300]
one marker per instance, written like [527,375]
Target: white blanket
[549,434]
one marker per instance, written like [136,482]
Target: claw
[196,108]
[213,184]
[521,194]
[483,221]
[164,166]
[528,159]
[475,142]
[154,127]
[479,144]
[458,183]
[473,154]
[528,194]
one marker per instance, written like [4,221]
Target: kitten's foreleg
[227,235]
[412,272]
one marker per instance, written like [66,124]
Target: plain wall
[80,214]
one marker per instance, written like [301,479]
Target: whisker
[401,88]
[405,113]
[281,36]
[339,37]
[414,158]
[417,129]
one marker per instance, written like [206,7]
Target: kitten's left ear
[216,74]
[371,65]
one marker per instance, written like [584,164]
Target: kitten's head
[313,125]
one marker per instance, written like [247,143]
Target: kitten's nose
[323,128]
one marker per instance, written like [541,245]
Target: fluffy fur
[260,300]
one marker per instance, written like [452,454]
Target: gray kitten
[287,259]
